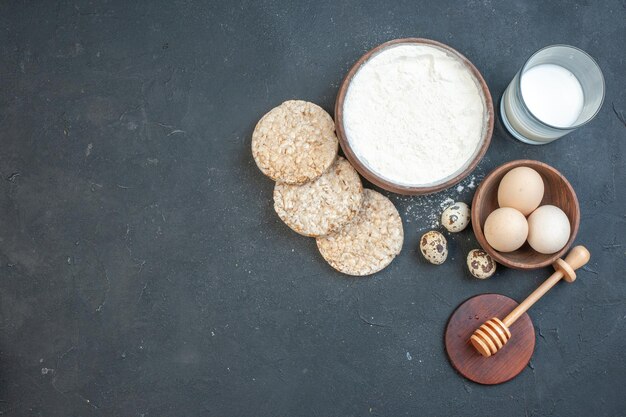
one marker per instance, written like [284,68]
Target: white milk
[552,94]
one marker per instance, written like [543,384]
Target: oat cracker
[295,142]
[321,206]
[368,243]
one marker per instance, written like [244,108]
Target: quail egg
[480,264]
[434,247]
[456,217]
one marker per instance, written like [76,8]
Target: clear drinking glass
[528,127]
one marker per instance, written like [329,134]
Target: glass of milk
[559,89]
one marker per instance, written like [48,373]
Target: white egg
[506,229]
[548,229]
[456,217]
[522,189]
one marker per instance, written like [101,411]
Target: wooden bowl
[558,192]
[403,189]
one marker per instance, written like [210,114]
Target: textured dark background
[143,271]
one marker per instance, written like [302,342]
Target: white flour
[414,114]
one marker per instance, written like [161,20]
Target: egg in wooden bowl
[557,192]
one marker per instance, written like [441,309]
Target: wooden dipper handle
[493,334]
[577,257]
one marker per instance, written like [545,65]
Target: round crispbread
[295,142]
[321,206]
[368,243]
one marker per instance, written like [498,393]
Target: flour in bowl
[414,115]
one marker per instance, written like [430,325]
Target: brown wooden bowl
[403,189]
[557,192]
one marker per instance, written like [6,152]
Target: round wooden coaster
[509,361]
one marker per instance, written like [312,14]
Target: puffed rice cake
[370,242]
[321,206]
[295,142]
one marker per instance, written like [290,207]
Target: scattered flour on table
[425,211]
[471,185]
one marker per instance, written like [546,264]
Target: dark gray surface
[144,272]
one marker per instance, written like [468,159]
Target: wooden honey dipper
[494,333]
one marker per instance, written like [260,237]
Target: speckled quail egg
[480,264]
[456,217]
[434,247]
